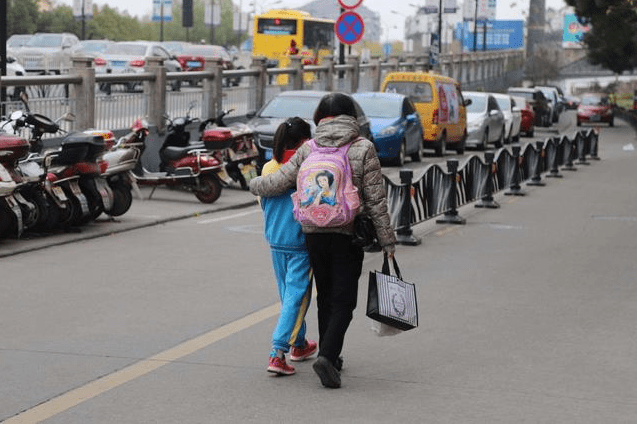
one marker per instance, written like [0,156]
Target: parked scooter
[191,167]
[234,145]
[9,209]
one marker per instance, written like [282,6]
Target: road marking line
[79,395]
[229,217]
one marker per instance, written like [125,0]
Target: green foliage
[23,17]
[611,41]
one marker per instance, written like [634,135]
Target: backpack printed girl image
[325,195]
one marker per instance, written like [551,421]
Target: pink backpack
[325,196]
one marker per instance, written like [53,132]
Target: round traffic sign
[349,27]
[350,4]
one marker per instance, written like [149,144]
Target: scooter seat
[175,152]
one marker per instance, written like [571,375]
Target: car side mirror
[251,114]
[467,102]
[411,117]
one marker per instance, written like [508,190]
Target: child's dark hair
[289,135]
[334,104]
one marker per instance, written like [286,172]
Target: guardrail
[439,193]
[79,92]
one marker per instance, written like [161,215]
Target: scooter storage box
[217,138]
[12,147]
[75,148]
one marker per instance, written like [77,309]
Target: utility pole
[440,27]
[475,21]
[535,26]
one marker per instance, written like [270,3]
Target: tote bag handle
[386,266]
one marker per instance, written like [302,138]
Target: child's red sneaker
[298,354]
[279,366]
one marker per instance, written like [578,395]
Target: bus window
[277,26]
[318,34]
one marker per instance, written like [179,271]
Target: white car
[14,69]
[512,116]
[47,53]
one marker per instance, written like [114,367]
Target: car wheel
[440,150]
[461,149]
[499,142]
[578,123]
[416,156]
[483,145]
[530,133]
[400,158]
[611,123]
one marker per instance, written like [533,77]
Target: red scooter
[191,167]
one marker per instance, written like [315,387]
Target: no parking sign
[349,27]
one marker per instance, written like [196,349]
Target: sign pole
[342,49]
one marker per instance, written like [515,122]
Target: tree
[611,40]
[22,16]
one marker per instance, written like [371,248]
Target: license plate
[118,63]
[59,193]
[193,64]
[75,188]
[102,187]
[594,118]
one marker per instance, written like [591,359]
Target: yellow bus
[276,31]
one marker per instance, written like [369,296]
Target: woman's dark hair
[334,104]
[289,135]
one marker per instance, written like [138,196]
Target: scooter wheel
[52,218]
[5,221]
[122,199]
[210,189]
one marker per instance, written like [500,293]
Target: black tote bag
[391,300]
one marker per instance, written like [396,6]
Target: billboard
[485,9]
[573,32]
[432,6]
[500,35]
[160,6]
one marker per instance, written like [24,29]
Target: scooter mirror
[16,115]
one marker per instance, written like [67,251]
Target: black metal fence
[439,192]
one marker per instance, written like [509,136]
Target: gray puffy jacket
[366,176]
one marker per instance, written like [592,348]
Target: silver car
[485,120]
[46,53]
[512,116]
[130,57]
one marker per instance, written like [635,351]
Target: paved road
[528,314]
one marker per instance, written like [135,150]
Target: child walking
[289,257]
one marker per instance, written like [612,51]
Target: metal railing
[438,192]
[82,91]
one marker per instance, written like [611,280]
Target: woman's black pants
[336,265]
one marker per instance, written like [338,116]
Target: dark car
[539,102]
[595,108]
[301,103]
[193,58]
[395,123]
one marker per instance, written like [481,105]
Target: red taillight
[435,116]
[137,62]
[99,61]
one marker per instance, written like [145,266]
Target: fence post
[261,80]
[553,172]
[593,145]
[487,201]
[157,93]
[84,93]
[404,232]
[354,81]
[452,215]
[297,77]
[515,186]
[569,164]
[209,86]
[329,61]
[581,147]
[536,178]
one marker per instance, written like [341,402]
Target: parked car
[46,53]
[595,108]
[440,104]
[13,69]
[527,116]
[193,58]
[90,48]
[301,103]
[512,116]
[553,96]
[485,120]
[396,125]
[129,57]
[537,99]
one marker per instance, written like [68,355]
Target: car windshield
[17,41]
[126,49]
[380,107]
[525,94]
[45,40]
[416,92]
[288,106]
[593,100]
[478,105]
[503,103]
